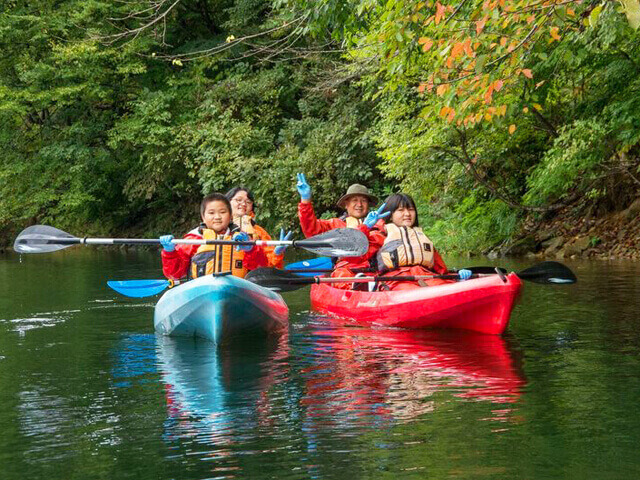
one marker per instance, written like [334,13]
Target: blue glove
[167,244]
[374,215]
[303,187]
[464,274]
[243,237]
[279,250]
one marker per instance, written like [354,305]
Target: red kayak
[481,304]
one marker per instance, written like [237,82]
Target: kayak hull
[220,309]
[481,305]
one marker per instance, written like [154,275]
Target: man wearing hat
[356,202]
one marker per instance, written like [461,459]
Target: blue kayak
[220,308]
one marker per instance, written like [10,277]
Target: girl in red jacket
[406,250]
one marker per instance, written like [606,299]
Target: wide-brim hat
[357,189]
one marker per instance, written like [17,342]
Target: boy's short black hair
[211,198]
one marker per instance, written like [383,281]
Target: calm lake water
[88,391]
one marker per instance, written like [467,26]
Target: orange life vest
[405,246]
[210,259]
[246,225]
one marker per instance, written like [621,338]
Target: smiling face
[241,204]
[404,216]
[217,216]
[357,206]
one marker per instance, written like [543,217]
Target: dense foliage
[117,116]
[105,133]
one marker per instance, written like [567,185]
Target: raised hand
[243,237]
[303,187]
[167,244]
[374,215]
[279,250]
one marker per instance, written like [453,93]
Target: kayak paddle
[311,266]
[284,281]
[141,288]
[550,273]
[341,242]
[544,272]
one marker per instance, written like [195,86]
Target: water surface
[89,391]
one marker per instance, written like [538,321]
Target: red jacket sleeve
[175,264]
[255,258]
[438,264]
[376,237]
[311,225]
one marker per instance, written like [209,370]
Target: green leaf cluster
[104,133]
[554,120]
[111,121]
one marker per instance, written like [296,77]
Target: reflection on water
[216,390]
[89,391]
[369,375]
[135,360]
[351,377]
[219,399]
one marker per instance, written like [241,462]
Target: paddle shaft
[327,270]
[547,273]
[382,278]
[180,241]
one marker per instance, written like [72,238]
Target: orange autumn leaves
[426,43]
[477,52]
[477,106]
[449,114]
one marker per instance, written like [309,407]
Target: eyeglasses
[240,201]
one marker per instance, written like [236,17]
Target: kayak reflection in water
[376,375]
[404,248]
[216,395]
[198,260]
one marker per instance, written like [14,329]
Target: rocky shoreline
[613,236]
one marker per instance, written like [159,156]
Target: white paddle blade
[42,239]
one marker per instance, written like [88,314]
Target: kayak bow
[220,308]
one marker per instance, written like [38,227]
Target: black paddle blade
[548,272]
[341,242]
[43,239]
[277,280]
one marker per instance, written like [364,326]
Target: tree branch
[468,163]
